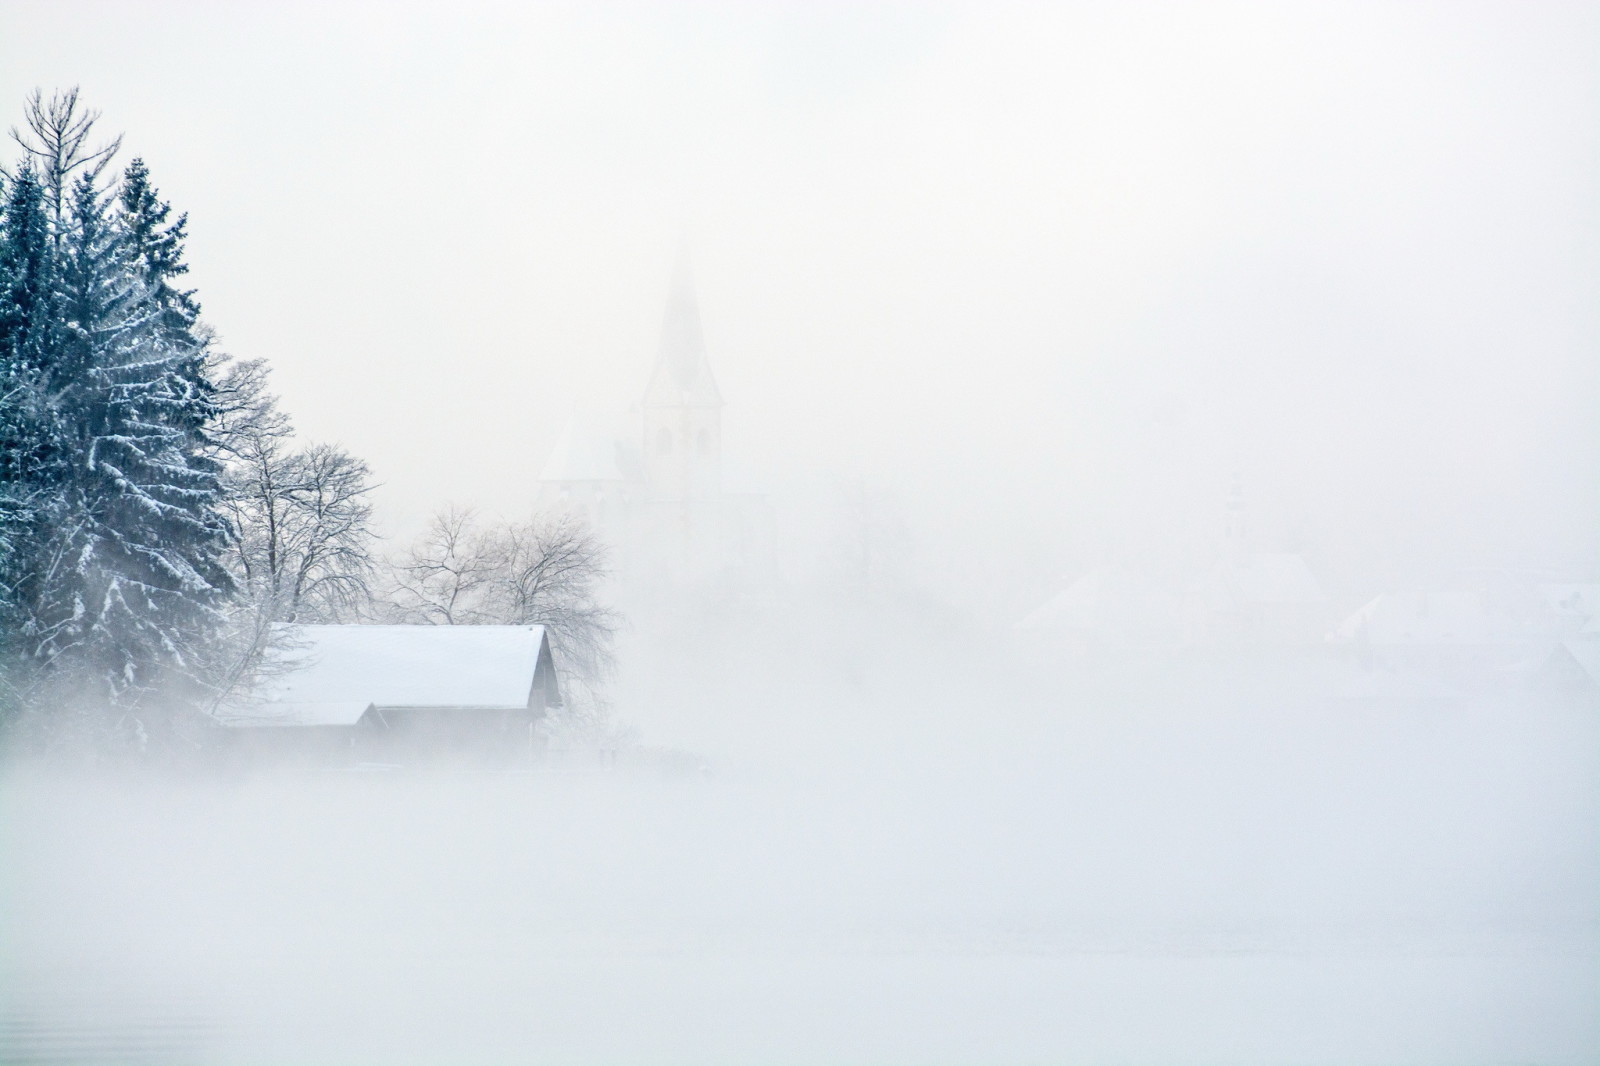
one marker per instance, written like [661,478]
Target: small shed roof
[489,667]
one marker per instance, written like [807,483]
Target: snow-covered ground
[1130,867]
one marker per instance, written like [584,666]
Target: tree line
[158,517]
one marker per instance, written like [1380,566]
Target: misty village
[877,534]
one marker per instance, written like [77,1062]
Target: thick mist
[1189,864]
[1003,302]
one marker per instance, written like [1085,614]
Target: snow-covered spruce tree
[155,250]
[130,581]
[30,445]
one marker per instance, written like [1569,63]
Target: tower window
[664,441]
[702,442]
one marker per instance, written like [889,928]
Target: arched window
[664,440]
[702,442]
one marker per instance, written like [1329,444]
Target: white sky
[1051,274]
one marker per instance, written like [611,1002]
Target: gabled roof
[582,454]
[1575,602]
[1262,579]
[478,667]
[1108,600]
[682,374]
[343,712]
[1586,653]
[1447,616]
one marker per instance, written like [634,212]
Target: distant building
[402,691]
[1254,597]
[1110,607]
[1244,597]
[1495,624]
[1266,597]
[652,482]
[1574,665]
[1575,606]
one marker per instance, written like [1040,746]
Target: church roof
[682,374]
[1110,599]
[1262,579]
[582,453]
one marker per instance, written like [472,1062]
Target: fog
[1069,265]
[997,297]
[1162,869]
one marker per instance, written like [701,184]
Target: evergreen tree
[156,248]
[29,444]
[114,432]
[155,251]
[132,578]
[27,277]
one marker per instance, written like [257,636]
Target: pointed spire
[682,373]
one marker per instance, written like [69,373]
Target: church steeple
[682,374]
[682,411]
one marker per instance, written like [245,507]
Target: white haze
[1059,271]
[1015,290]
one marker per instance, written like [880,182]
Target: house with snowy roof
[1574,665]
[1575,605]
[402,690]
[1494,623]
[1243,597]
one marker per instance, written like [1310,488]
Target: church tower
[682,409]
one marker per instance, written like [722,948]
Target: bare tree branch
[56,141]
[546,571]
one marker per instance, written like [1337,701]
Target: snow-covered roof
[340,712]
[1586,653]
[1265,578]
[1576,601]
[1449,616]
[582,453]
[338,667]
[1108,599]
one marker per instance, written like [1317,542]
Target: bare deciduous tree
[447,577]
[56,142]
[302,536]
[546,571]
[301,518]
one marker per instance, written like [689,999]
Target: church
[652,481]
